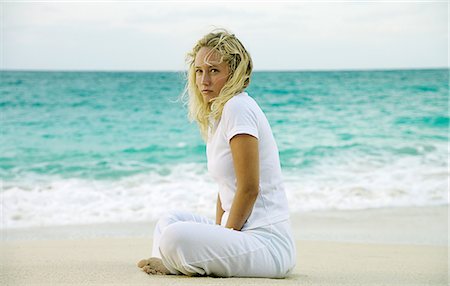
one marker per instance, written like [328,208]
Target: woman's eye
[198,71]
[214,70]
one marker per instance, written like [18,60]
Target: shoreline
[419,225]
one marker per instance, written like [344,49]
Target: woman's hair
[231,50]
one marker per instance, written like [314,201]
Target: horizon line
[261,70]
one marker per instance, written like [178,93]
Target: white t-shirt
[242,115]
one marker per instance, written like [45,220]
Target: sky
[282,35]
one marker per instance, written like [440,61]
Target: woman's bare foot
[153,265]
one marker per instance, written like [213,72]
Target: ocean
[96,147]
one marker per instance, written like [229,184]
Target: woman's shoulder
[239,103]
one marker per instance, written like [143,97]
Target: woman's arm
[244,149]
[219,211]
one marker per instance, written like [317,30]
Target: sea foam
[145,197]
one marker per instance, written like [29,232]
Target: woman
[251,236]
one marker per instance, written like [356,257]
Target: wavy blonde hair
[240,63]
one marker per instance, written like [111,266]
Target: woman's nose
[205,78]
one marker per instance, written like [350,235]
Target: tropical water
[92,147]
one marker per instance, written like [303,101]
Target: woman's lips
[206,90]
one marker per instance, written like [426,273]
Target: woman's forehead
[207,56]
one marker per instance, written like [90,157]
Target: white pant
[194,245]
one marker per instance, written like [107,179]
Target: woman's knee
[170,217]
[179,238]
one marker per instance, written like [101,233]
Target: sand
[378,247]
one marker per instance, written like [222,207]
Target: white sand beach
[401,246]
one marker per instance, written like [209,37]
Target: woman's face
[210,76]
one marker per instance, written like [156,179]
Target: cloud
[285,35]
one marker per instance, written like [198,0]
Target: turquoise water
[344,137]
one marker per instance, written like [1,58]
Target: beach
[390,246]
[103,106]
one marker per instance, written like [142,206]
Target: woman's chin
[207,98]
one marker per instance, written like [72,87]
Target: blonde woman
[251,235]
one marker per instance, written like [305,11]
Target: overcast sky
[149,36]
